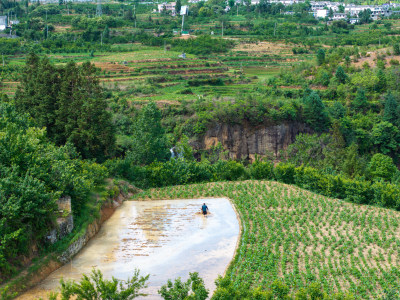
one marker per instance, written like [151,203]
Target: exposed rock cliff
[243,141]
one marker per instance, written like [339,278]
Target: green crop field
[302,237]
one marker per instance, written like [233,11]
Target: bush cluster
[181,171]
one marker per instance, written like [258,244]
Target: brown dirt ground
[265,48]
[371,58]
[63,28]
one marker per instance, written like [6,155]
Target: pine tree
[341,75]
[360,102]
[149,141]
[337,110]
[320,56]
[68,101]
[381,83]
[38,91]
[178,6]
[351,165]
[315,112]
[391,111]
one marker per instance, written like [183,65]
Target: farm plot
[301,237]
[161,74]
[263,60]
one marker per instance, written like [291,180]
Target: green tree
[38,92]
[184,149]
[386,137]
[33,174]
[315,112]
[178,6]
[381,167]
[391,112]
[307,149]
[128,15]
[360,102]
[96,287]
[381,83]
[365,16]
[341,75]
[335,151]
[149,142]
[320,56]
[69,102]
[347,60]
[388,25]
[337,110]
[351,164]
[106,32]
[396,49]
[192,289]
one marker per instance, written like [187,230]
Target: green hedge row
[180,171]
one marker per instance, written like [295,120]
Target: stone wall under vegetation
[244,142]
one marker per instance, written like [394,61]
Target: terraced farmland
[170,70]
[302,237]
[167,76]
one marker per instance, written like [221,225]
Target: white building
[168,6]
[321,13]
[354,10]
[339,16]
[354,20]
[284,2]
[3,22]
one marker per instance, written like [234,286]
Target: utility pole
[222,28]
[2,55]
[165,47]
[101,39]
[134,9]
[275,29]
[237,9]
[183,21]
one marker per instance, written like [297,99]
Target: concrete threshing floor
[164,238]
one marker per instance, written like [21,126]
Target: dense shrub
[262,170]
[202,45]
[228,170]
[284,172]
[181,171]
[34,173]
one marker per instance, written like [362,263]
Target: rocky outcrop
[244,141]
[65,221]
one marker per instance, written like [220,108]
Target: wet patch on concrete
[164,238]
